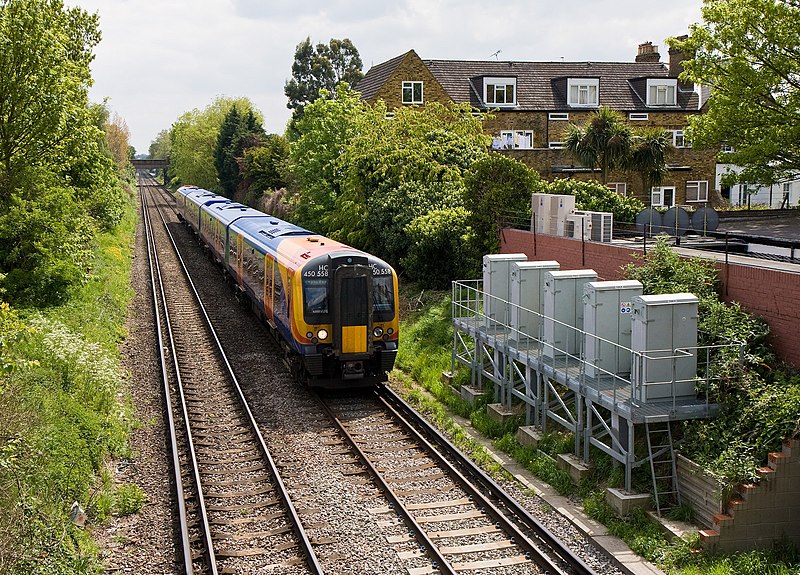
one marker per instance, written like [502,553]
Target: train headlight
[377,331]
[390,331]
[322,334]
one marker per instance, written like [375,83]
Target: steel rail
[442,564]
[152,259]
[553,545]
[311,558]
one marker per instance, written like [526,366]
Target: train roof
[268,231]
[229,211]
[203,197]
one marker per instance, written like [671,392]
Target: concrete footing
[623,503]
[499,413]
[529,436]
[470,394]
[575,467]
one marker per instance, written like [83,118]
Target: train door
[352,309]
[269,270]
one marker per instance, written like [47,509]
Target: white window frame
[555,145]
[411,85]
[511,139]
[389,116]
[492,85]
[679,139]
[638,116]
[620,188]
[558,116]
[583,92]
[726,148]
[699,189]
[657,196]
[662,92]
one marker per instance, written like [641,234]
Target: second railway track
[238,517]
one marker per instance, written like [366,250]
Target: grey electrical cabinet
[527,305]
[497,288]
[563,311]
[663,339]
[607,308]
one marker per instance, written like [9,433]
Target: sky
[159,59]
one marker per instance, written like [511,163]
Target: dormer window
[583,92]
[662,91]
[498,92]
[412,92]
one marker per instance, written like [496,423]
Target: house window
[412,92]
[558,116]
[663,196]
[555,145]
[697,191]
[583,92]
[661,92]
[726,149]
[389,116]
[516,140]
[500,91]
[620,188]
[679,139]
[638,116]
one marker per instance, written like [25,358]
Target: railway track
[235,513]
[439,517]
[354,519]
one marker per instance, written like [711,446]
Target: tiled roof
[376,77]
[542,85]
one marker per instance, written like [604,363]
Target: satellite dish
[705,220]
[675,221]
[648,222]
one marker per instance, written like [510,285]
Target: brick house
[533,103]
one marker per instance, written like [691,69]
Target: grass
[425,352]
[62,415]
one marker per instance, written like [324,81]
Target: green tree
[326,129]
[321,68]
[603,142]
[193,141]
[648,157]
[746,51]
[45,52]
[497,187]
[266,167]
[160,147]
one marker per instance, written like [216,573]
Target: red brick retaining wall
[771,293]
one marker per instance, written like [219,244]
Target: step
[766,473]
[721,520]
[709,539]
[747,490]
[777,459]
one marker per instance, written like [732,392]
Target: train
[333,308]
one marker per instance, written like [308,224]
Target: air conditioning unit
[600,226]
[579,226]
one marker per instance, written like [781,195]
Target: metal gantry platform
[601,409]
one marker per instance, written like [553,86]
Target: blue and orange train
[333,308]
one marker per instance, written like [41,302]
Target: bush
[595,197]
[443,248]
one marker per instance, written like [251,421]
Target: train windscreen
[382,294]
[315,296]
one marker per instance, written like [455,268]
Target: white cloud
[160,59]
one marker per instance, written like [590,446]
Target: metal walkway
[552,385]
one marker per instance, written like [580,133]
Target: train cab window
[315,298]
[382,294]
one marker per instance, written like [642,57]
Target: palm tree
[648,157]
[603,142]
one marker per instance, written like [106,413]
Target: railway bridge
[145,165]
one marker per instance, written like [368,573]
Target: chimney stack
[676,59]
[648,53]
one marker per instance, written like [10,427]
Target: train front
[350,312]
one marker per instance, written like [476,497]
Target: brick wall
[770,293]
[764,512]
